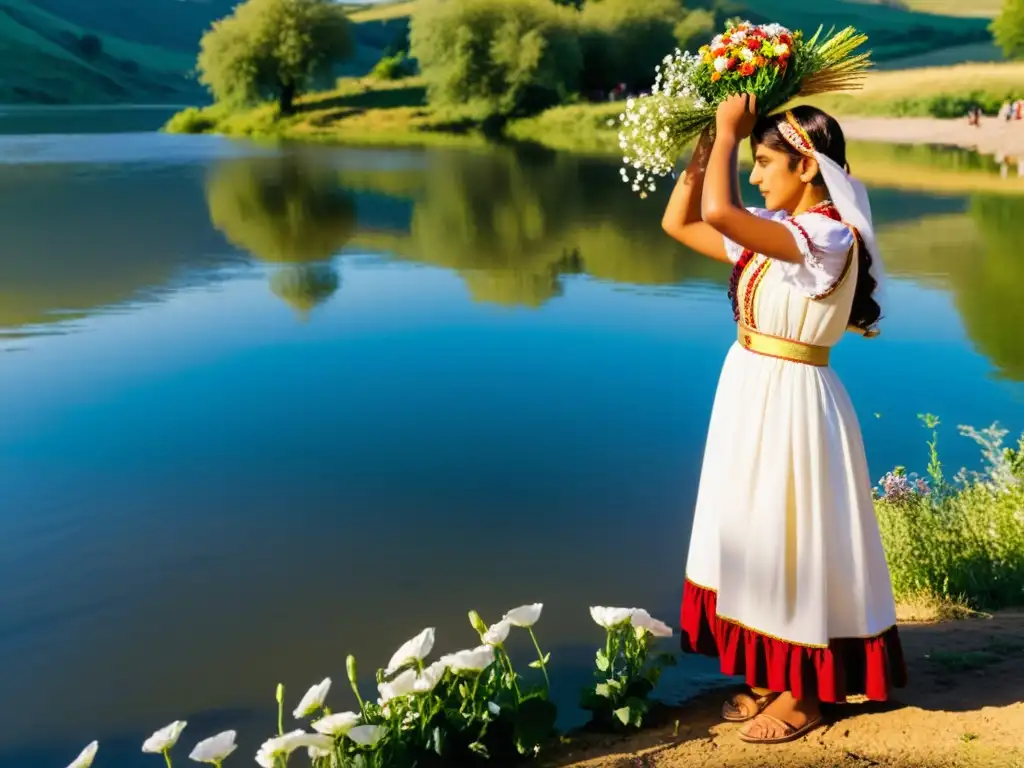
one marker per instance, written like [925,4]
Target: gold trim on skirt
[784,349]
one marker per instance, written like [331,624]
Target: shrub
[392,67]
[959,540]
[191,120]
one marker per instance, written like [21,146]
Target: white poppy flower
[641,619]
[412,650]
[428,679]
[497,633]
[721,64]
[610,617]
[85,758]
[746,54]
[367,735]
[165,738]
[314,699]
[781,48]
[315,752]
[403,685]
[524,615]
[214,749]
[337,724]
[471,660]
[283,746]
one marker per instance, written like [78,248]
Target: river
[263,407]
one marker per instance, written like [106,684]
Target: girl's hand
[736,116]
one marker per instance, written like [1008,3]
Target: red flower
[731,64]
[719,52]
[746,69]
[786,39]
[726,39]
[753,43]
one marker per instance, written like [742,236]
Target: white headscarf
[849,195]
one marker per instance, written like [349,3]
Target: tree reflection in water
[288,211]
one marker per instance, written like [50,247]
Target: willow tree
[273,49]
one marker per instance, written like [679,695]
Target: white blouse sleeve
[825,245]
[734,250]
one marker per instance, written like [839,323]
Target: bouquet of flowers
[766,60]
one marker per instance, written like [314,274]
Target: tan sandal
[748,702]
[791,733]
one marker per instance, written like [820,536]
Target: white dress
[786,578]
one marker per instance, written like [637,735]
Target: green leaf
[603,689]
[538,663]
[623,714]
[480,749]
[437,741]
[602,661]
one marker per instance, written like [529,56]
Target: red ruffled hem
[871,666]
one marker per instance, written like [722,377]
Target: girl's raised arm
[735,120]
[682,218]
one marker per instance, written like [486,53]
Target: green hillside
[147,47]
[46,58]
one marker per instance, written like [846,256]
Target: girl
[786,579]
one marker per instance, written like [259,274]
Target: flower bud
[477,622]
[350,666]
[280,693]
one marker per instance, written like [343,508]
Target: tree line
[495,57]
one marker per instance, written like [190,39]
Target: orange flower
[760,61]
[746,69]
[715,77]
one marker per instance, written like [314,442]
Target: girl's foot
[786,719]
[746,706]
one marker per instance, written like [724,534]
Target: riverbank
[992,137]
[963,708]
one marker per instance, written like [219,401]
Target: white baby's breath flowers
[313,701]
[86,756]
[215,749]
[165,738]
[644,134]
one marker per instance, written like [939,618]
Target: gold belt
[784,349]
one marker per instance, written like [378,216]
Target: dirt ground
[964,708]
[992,137]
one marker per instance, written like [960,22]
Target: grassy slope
[40,63]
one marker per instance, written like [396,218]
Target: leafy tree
[503,56]
[1008,29]
[623,40]
[273,49]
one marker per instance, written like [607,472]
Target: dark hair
[827,137]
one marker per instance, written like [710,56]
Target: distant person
[974,115]
[786,579]
[1018,109]
[1006,111]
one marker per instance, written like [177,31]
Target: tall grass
[957,539]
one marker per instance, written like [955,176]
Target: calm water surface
[262,408]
